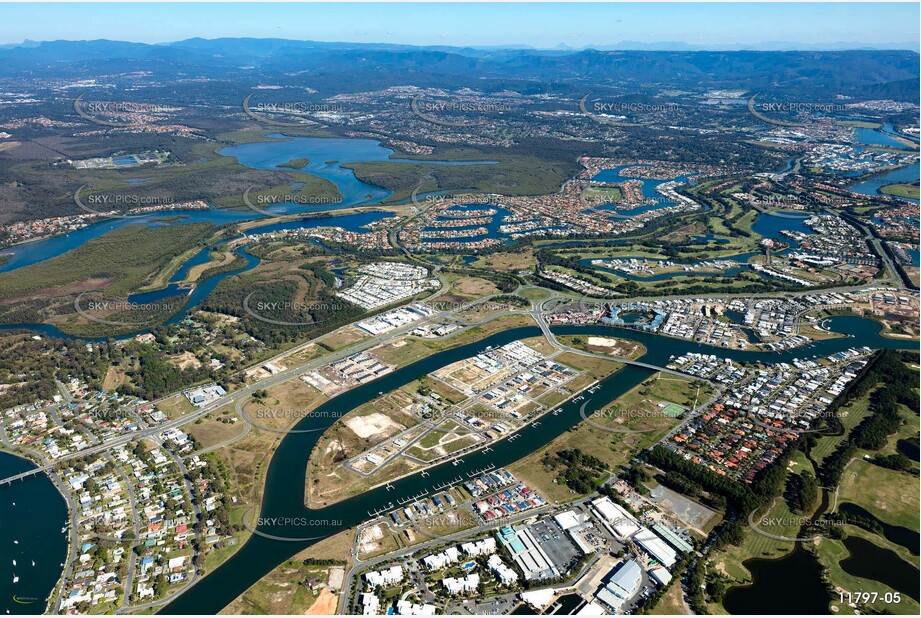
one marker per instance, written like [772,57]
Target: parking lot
[555,543]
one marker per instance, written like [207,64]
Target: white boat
[15,579]
[14,563]
[15,542]
[33,563]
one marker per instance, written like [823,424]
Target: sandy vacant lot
[373,424]
[324,605]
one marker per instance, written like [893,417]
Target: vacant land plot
[684,508]
[375,424]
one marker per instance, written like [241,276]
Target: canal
[33,546]
[285,478]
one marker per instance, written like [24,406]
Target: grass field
[175,406]
[850,416]
[831,552]
[614,448]
[671,603]
[908,189]
[891,496]
[210,430]
[601,194]
[754,545]
[507,262]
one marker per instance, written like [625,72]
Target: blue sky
[539,25]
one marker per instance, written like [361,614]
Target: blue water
[915,256]
[649,189]
[872,137]
[352,222]
[890,130]
[259,155]
[32,512]
[770,226]
[492,227]
[198,294]
[268,155]
[320,150]
[871,186]
[38,251]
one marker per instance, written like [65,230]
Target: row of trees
[898,384]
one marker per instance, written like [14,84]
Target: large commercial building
[621,523]
[528,555]
[653,545]
[622,586]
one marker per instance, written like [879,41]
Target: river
[871,186]
[325,154]
[284,489]
[32,513]
[203,288]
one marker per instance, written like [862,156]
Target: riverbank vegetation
[117,262]
[512,175]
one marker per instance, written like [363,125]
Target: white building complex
[653,545]
[385,577]
[383,283]
[617,520]
[622,586]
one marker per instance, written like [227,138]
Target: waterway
[202,289]
[871,186]
[326,156]
[870,561]
[900,535]
[284,490]
[32,513]
[41,250]
[616,175]
[784,586]
[767,225]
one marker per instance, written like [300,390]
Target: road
[239,397]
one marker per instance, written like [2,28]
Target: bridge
[24,475]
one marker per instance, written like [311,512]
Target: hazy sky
[540,25]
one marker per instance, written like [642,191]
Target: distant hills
[855,73]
